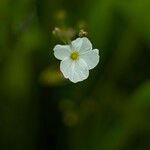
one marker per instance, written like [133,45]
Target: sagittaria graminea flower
[77,59]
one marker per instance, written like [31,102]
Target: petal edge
[61,51]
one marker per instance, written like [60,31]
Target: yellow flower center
[74,55]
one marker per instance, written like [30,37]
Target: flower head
[77,59]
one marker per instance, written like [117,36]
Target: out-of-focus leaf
[139,104]
[137,14]
[100,21]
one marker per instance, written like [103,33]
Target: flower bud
[56,32]
[83,33]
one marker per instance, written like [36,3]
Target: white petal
[96,51]
[61,51]
[91,58]
[79,71]
[86,45]
[76,44]
[82,45]
[65,67]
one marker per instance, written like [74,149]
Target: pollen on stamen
[74,55]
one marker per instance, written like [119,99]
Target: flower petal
[65,67]
[61,51]
[79,71]
[76,44]
[86,45]
[91,58]
[96,51]
[82,45]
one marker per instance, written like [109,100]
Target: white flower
[77,59]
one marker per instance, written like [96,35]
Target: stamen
[74,55]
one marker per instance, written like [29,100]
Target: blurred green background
[40,110]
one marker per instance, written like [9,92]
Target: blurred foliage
[39,109]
